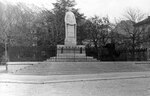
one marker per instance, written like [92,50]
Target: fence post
[148,54]
[6,67]
[74,54]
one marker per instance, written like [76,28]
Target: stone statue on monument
[70,27]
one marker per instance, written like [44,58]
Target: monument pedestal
[71,53]
[68,53]
[71,49]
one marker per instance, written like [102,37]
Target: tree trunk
[133,48]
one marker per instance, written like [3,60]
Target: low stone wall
[14,66]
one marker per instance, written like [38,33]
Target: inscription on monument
[71,32]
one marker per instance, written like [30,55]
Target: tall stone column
[70,28]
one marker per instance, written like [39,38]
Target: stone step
[76,57]
[69,57]
[71,54]
[72,60]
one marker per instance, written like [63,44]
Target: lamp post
[34,44]
[6,52]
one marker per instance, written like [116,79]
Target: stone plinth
[68,53]
[64,49]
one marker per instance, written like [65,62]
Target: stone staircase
[71,58]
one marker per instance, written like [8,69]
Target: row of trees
[22,25]
[16,24]
[131,35]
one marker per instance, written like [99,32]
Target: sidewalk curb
[71,78]
[66,81]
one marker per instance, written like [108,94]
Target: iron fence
[110,54]
[22,53]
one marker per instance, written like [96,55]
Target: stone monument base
[71,53]
[70,49]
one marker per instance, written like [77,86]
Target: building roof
[145,21]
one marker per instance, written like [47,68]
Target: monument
[70,43]
[70,28]
[70,51]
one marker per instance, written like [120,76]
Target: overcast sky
[111,8]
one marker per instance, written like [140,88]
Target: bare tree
[16,23]
[98,30]
[132,34]
[134,15]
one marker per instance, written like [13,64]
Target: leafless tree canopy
[134,15]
